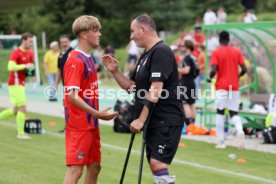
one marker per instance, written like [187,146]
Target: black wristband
[148,104]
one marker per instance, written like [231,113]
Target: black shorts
[162,143]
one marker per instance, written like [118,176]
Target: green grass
[41,160]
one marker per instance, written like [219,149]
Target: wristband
[148,104]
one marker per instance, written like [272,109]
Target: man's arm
[212,73]
[243,70]
[123,81]
[12,66]
[78,102]
[184,70]
[152,97]
[111,65]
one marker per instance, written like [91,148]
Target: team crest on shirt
[80,155]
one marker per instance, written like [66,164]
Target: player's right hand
[105,115]
[209,80]
[29,66]
[110,63]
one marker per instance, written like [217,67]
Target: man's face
[93,37]
[28,43]
[64,43]
[136,34]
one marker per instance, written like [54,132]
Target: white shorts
[227,100]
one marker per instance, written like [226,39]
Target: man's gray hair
[146,20]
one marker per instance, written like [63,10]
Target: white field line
[192,164]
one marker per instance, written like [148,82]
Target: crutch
[127,157]
[142,154]
[143,147]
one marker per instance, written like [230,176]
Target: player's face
[136,32]
[28,43]
[93,37]
[64,43]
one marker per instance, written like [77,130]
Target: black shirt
[188,78]
[158,64]
[62,58]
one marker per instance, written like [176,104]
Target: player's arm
[212,72]
[111,65]
[242,65]
[78,102]
[13,67]
[149,103]
[186,68]
[243,70]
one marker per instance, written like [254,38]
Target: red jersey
[80,73]
[227,60]
[20,57]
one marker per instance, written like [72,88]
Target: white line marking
[192,164]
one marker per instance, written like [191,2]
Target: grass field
[41,160]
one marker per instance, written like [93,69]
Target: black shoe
[61,131]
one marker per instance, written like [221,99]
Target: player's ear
[83,35]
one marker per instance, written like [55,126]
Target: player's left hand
[136,125]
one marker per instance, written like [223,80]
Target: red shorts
[82,148]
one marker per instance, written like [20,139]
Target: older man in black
[155,82]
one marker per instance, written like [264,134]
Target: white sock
[220,119]
[238,124]
[164,179]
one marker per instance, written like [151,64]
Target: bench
[251,117]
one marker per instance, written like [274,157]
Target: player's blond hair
[85,23]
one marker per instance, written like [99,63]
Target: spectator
[187,81]
[109,50]
[201,65]
[133,54]
[222,16]
[209,17]
[50,67]
[97,55]
[64,41]
[248,17]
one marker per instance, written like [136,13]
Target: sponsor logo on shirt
[155,74]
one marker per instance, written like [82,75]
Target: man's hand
[209,80]
[110,63]
[136,125]
[29,66]
[105,115]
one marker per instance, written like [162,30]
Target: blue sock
[161,172]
